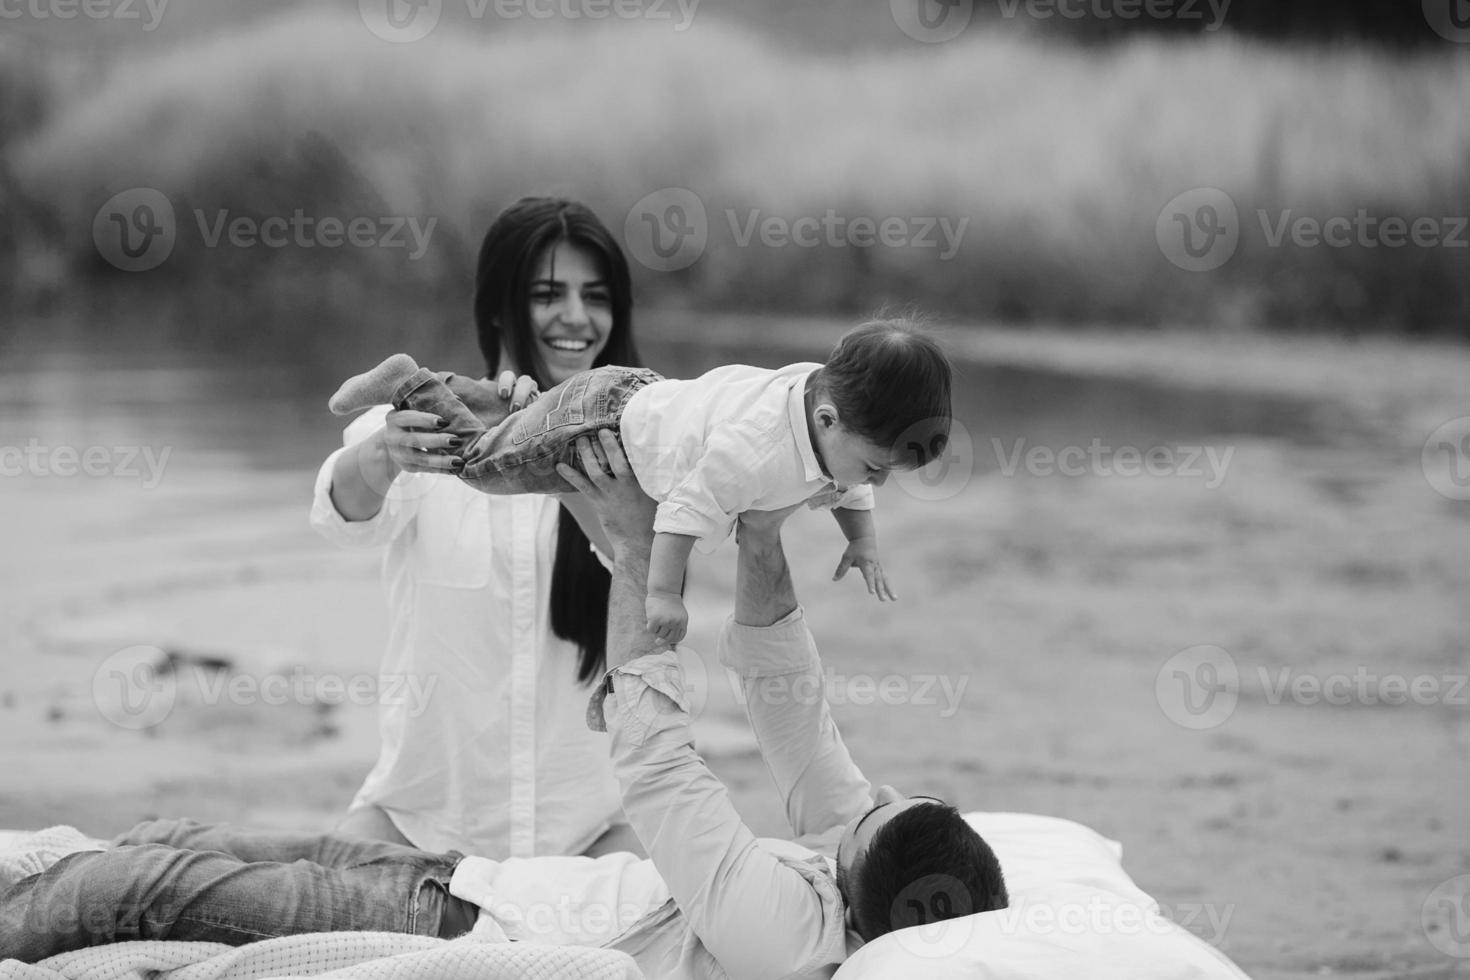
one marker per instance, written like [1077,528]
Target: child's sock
[374,387]
[31,854]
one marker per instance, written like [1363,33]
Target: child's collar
[809,402]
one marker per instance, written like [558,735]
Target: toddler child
[737,438]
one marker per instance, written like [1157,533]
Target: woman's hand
[415,442]
[626,512]
[409,441]
[521,391]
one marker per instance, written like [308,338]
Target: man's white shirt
[712,900]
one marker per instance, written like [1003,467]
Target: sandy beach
[1027,666]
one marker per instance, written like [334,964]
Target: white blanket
[1074,912]
[336,955]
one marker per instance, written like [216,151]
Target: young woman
[499,602]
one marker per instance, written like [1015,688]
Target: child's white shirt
[733,439]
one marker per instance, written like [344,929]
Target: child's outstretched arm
[862,551]
[667,618]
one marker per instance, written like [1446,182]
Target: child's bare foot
[375,387]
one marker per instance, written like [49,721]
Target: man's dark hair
[925,865]
[890,384]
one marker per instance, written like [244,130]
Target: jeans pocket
[554,410]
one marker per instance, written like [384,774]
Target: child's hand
[667,618]
[863,552]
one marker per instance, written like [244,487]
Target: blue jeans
[177,879]
[517,452]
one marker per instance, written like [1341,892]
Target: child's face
[849,458]
[571,310]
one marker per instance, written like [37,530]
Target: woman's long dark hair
[509,257]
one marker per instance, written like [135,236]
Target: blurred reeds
[1059,157]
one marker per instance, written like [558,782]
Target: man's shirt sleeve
[785,697]
[758,916]
[400,503]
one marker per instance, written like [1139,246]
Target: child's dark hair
[890,384]
[925,865]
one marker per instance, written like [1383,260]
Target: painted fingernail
[454,442]
[442,424]
[458,464]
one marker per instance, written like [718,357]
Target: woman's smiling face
[571,309]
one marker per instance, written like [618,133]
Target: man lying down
[712,900]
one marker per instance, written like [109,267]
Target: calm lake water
[218,411]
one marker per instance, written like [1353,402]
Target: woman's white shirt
[492,756]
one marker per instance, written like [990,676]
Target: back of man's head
[925,865]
